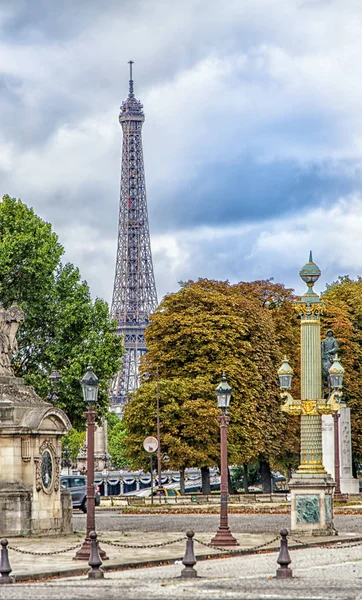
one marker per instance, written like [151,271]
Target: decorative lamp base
[224,537]
[312,506]
[84,552]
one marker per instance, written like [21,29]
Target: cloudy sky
[252,138]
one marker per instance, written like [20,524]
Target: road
[113,521]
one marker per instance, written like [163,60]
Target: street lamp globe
[54,377]
[223,394]
[90,385]
[336,372]
[285,374]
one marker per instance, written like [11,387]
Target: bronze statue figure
[329,350]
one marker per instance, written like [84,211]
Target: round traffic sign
[150,444]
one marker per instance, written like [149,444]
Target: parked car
[168,492]
[77,485]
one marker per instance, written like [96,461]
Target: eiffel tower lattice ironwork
[134,292]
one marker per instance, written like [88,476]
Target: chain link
[44,553]
[134,546]
[290,539]
[331,546]
[241,550]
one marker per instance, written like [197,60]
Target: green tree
[188,422]
[117,441]
[63,328]
[74,440]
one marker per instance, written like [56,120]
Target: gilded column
[311,487]
[310,308]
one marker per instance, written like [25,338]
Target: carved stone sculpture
[10,320]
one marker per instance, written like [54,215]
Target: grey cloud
[243,151]
[249,191]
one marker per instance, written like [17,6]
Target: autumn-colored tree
[208,327]
[280,301]
[343,314]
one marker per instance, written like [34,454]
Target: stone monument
[348,483]
[31,498]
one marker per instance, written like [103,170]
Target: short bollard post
[5,567]
[189,559]
[284,572]
[94,559]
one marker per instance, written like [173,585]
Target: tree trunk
[182,481]
[246,482]
[205,480]
[265,476]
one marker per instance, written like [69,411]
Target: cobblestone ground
[319,574]
[113,521]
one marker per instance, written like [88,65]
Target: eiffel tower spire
[134,292]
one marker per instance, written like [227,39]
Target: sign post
[150,444]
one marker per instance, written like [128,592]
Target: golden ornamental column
[311,486]
[310,309]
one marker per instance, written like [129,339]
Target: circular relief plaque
[47,470]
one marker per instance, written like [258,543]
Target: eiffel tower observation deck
[134,292]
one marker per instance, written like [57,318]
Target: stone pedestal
[312,506]
[30,454]
[349,485]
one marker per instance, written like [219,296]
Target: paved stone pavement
[36,558]
[319,574]
[252,523]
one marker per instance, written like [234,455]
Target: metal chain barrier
[298,542]
[332,546]
[44,553]
[241,550]
[134,546]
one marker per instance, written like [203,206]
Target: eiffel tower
[134,292]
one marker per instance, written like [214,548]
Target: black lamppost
[54,379]
[223,536]
[159,456]
[90,386]
[66,461]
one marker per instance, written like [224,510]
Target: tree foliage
[208,327]
[188,422]
[343,300]
[74,440]
[63,328]
[116,441]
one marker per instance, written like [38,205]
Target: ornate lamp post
[223,535]
[311,486]
[159,455]
[90,386]
[66,461]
